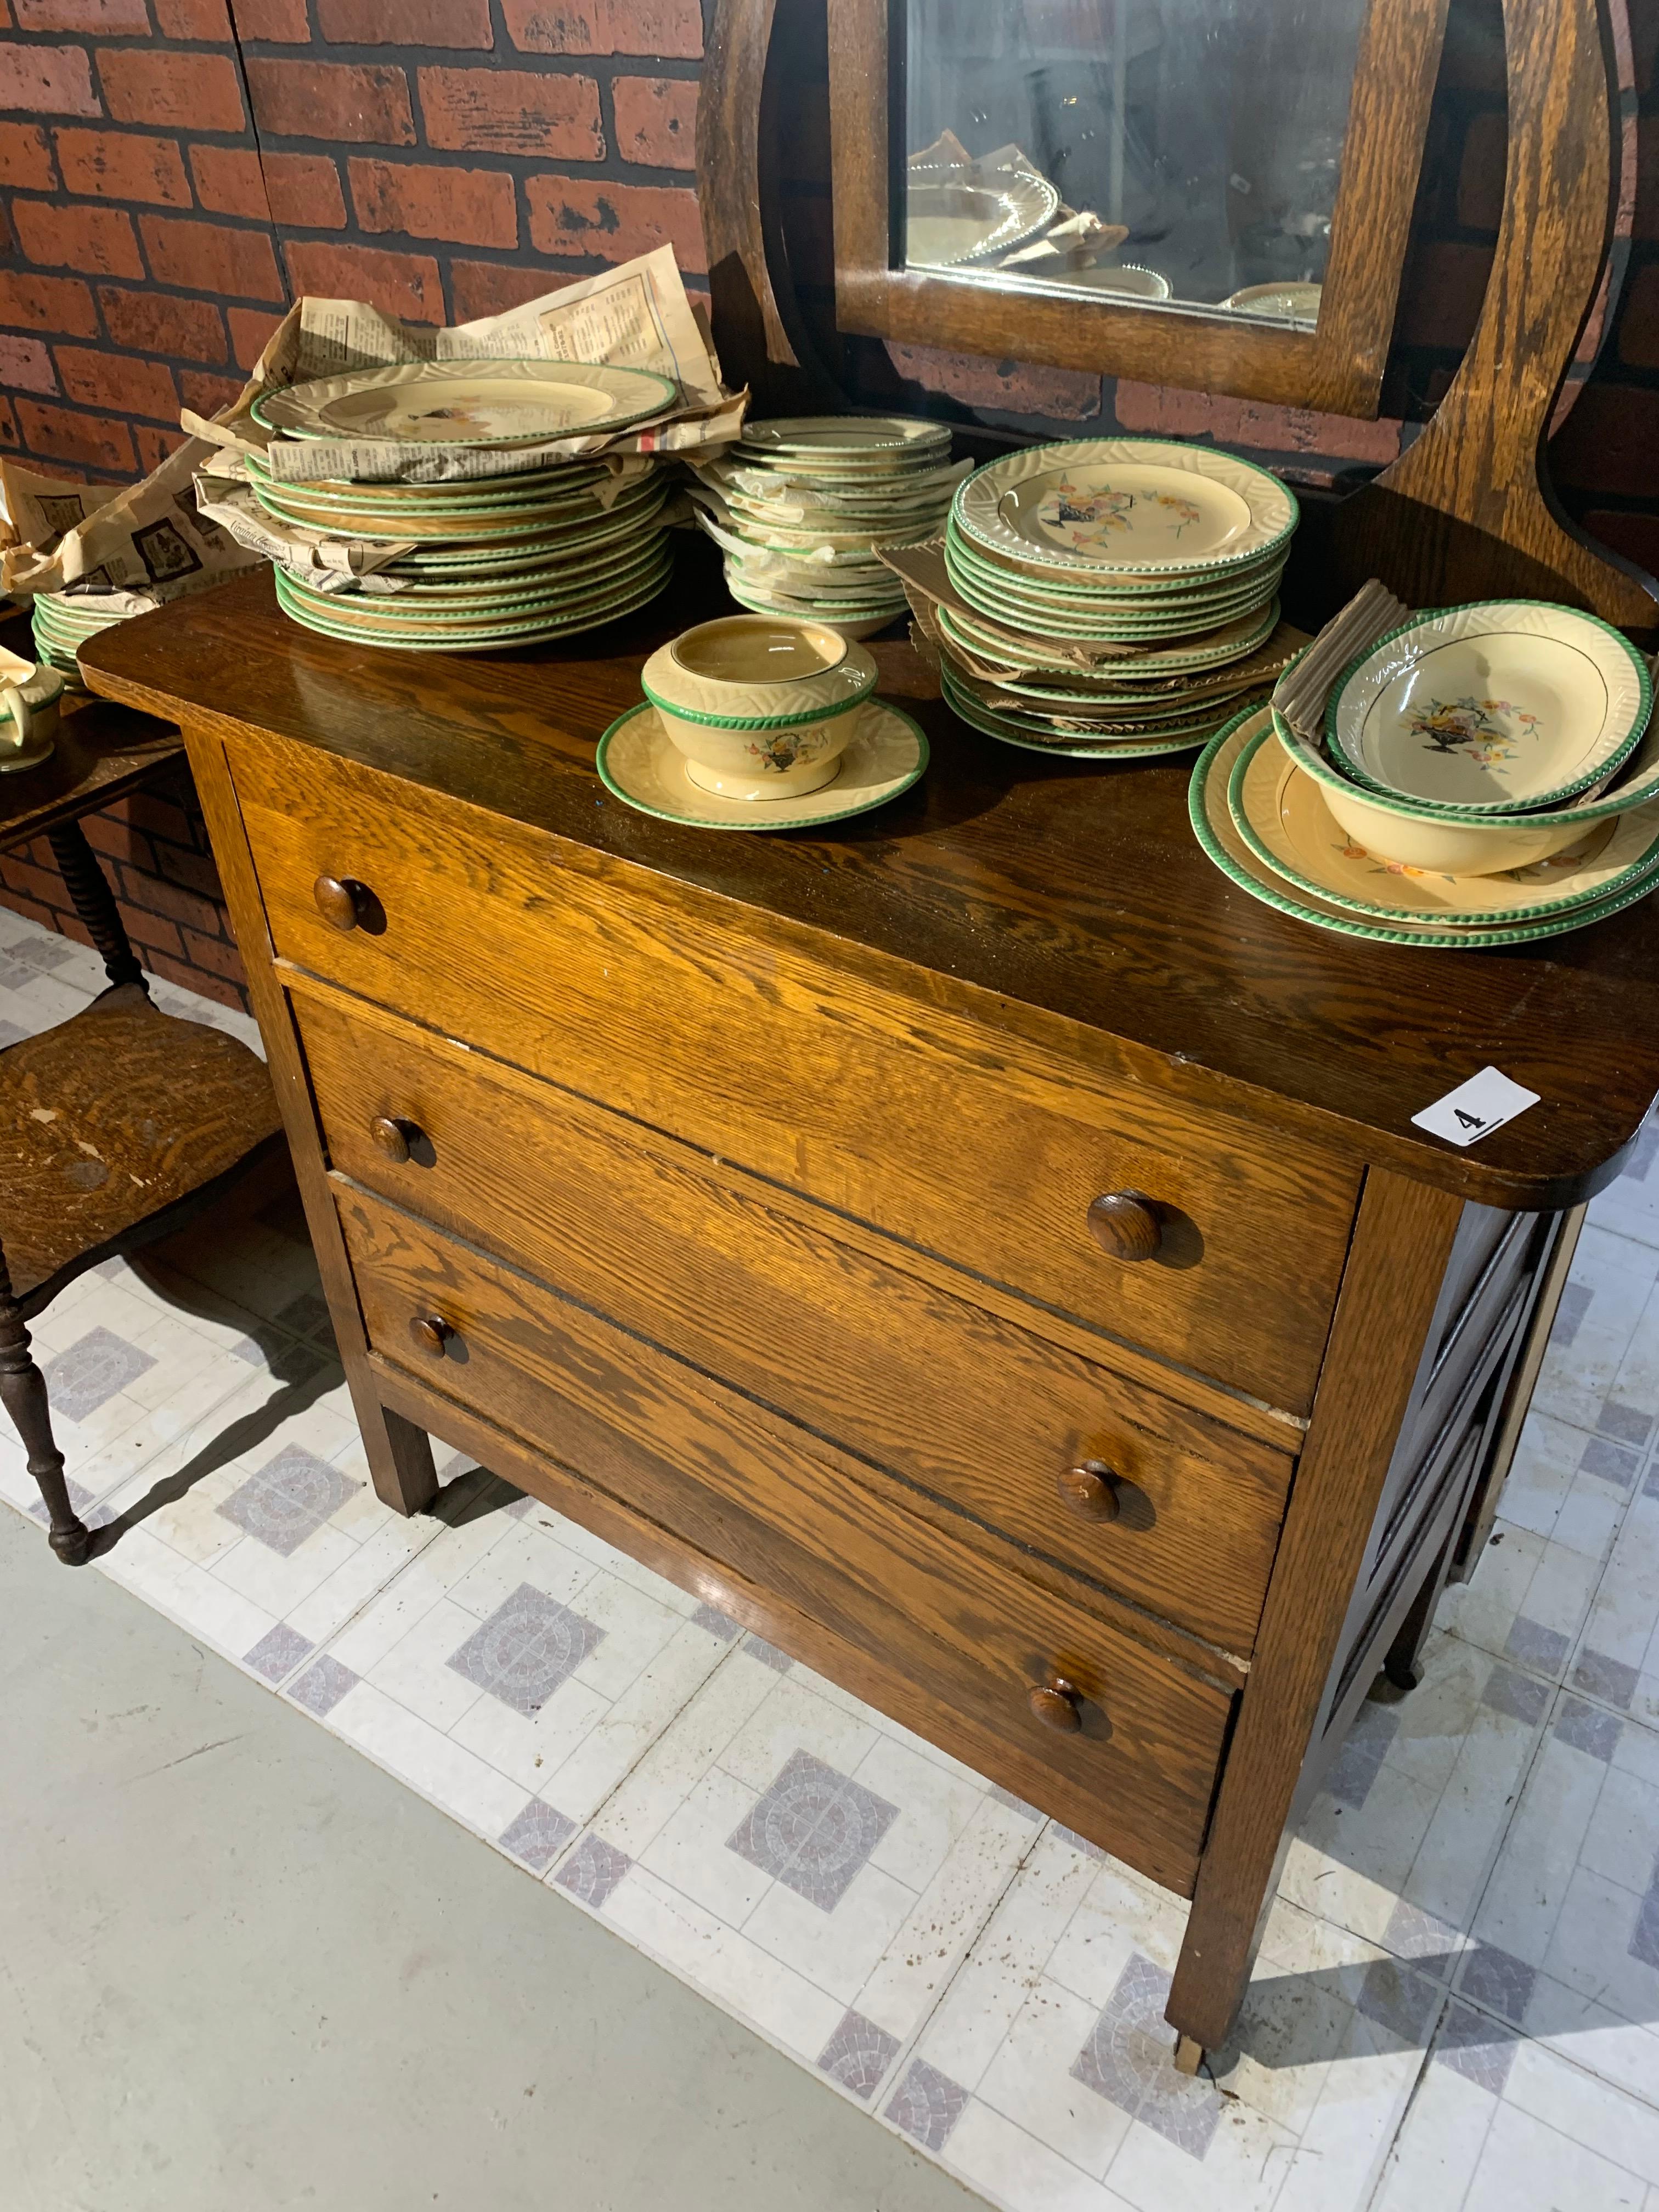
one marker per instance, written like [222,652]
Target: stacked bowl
[62,622]
[1486,777]
[804,502]
[499,558]
[1105,591]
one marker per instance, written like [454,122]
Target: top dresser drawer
[682,1010]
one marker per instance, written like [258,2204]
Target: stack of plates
[497,560]
[62,622]
[1106,589]
[1261,817]
[807,500]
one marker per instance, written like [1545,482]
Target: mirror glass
[1184,151]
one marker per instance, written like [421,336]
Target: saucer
[637,761]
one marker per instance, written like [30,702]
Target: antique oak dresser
[981,1249]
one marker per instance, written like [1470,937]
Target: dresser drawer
[956,1628]
[775,1296]
[955,1135]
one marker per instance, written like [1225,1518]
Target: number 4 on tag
[1484,1102]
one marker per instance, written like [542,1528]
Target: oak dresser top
[1060,899]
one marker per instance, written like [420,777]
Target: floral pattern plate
[1146,507]
[1277,811]
[1147,745]
[1218,835]
[466,403]
[1492,708]
[637,762]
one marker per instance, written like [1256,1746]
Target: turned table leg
[93,900]
[23,1394]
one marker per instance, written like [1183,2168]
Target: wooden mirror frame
[1336,368]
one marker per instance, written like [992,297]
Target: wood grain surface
[735,1277]
[718,1472]
[1061,903]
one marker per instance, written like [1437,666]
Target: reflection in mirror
[1181,150]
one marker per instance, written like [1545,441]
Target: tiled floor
[1457,2001]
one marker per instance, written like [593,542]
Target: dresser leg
[23,1394]
[1188,2055]
[1401,1665]
[400,1461]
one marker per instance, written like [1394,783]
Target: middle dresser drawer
[806,1313]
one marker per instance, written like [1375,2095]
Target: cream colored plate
[638,764]
[1284,303]
[1150,506]
[1504,705]
[953,217]
[1277,810]
[473,403]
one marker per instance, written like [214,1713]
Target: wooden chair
[120,1123]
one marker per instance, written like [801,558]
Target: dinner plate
[1497,708]
[1230,641]
[1147,506]
[502,638]
[990,724]
[466,403]
[1279,813]
[955,215]
[828,438]
[638,763]
[404,614]
[1212,822]
[1280,303]
[1100,728]
[1045,593]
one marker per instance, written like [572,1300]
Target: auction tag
[1475,1108]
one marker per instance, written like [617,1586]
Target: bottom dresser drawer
[1128,1751]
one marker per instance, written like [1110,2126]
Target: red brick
[200,389]
[304,191]
[154,444]
[122,165]
[574,216]
[1609,441]
[1638,320]
[152,937]
[1444,285]
[1645,46]
[213,954]
[46,303]
[35,882]
[656,121]
[192,979]
[1012,387]
[667,30]
[229,181]
[1635,536]
[117,381]
[161,818]
[154,894]
[97,240]
[211,257]
[154,322]
[176,91]
[476,207]
[8,425]
[97,440]
[32,909]
[25,365]
[116,838]
[1481,174]
[490,288]
[25,157]
[206,20]
[109,19]
[496,111]
[280,21]
[1162,411]
[196,872]
[364,103]
[250,333]
[47,81]
[405,284]
[406,23]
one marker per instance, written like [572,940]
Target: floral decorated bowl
[1494,709]
[762,706]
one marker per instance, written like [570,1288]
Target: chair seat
[111,1117]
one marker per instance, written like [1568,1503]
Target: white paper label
[1475,1108]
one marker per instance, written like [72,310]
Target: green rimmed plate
[991,724]
[1196,722]
[502,637]
[389,616]
[1500,707]
[1213,824]
[1148,507]
[466,403]
[1032,621]
[1045,590]
[639,765]
[1277,811]
[1231,641]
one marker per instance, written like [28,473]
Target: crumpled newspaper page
[135,546]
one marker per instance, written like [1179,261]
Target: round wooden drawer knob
[431,1333]
[1126,1224]
[1055,1705]
[338,901]
[1091,1491]
[394,1135]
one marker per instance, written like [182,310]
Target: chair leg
[95,901]
[23,1394]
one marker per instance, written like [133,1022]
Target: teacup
[28,710]
[763,706]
